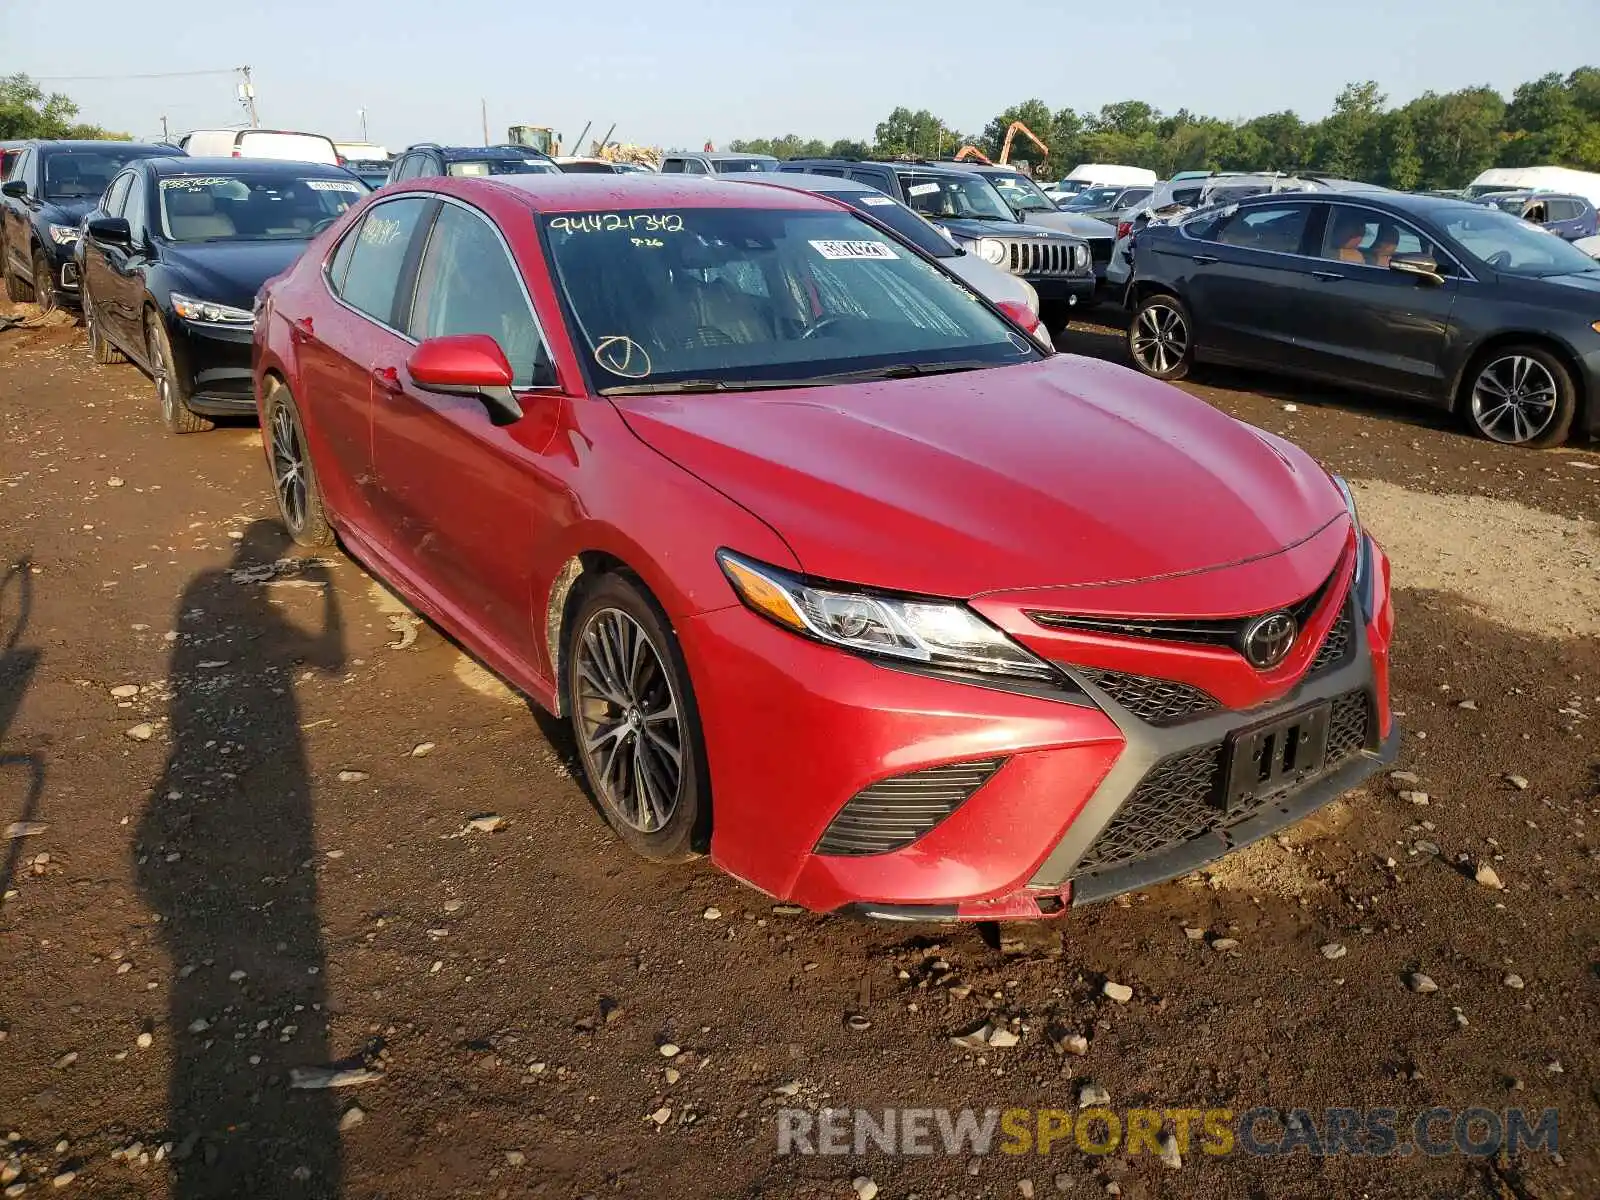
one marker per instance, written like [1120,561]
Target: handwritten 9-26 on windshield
[618,223]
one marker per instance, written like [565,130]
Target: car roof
[586,193]
[720,155]
[183,164]
[75,144]
[806,181]
[1401,202]
[892,164]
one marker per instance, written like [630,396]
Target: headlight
[991,250]
[209,311]
[939,634]
[1080,258]
[63,235]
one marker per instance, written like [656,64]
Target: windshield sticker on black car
[616,222]
[332,185]
[879,201]
[623,356]
[830,249]
[196,182]
[922,189]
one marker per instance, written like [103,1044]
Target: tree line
[26,111]
[1435,141]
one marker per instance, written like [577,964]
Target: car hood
[1065,472]
[1084,227]
[229,272]
[66,212]
[989,280]
[1586,282]
[995,229]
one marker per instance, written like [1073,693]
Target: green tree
[1544,123]
[907,134]
[1458,134]
[1346,141]
[845,148]
[1036,115]
[27,112]
[1402,162]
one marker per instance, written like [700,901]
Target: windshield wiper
[897,371]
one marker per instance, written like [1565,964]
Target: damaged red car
[836,574]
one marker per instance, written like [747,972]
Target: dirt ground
[251,784]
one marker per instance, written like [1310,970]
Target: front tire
[294,481]
[1521,395]
[44,284]
[634,717]
[172,388]
[1160,337]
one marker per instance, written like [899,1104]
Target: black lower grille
[1100,250]
[895,812]
[1176,802]
[1347,727]
[1158,701]
[1336,646]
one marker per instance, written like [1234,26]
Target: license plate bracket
[1275,756]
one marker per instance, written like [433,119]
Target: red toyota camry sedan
[837,575]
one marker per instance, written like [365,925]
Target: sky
[681,73]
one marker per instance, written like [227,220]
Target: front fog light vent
[895,812]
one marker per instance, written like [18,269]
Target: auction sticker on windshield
[877,201]
[832,249]
[332,185]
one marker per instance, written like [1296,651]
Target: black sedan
[172,259]
[1458,306]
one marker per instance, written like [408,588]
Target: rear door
[102,265]
[1564,215]
[14,217]
[1366,324]
[458,495]
[350,324]
[1246,273]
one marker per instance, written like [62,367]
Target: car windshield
[1510,204]
[728,298]
[255,207]
[740,166]
[1095,197]
[954,195]
[1022,193]
[907,224]
[501,166]
[1509,244]
[84,174]
[1072,187]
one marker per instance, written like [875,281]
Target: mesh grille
[1347,727]
[1100,249]
[1336,646]
[1176,801]
[895,812]
[1173,804]
[1158,701]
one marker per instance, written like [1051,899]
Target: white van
[1087,175]
[260,143]
[1538,179]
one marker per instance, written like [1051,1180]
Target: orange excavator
[1012,130]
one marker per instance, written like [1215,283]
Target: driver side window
[117,194]
[467,283]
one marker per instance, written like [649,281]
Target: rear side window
[1276,229]
[468,284]
[673,166]
[378,256]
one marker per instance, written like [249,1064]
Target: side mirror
[467,364]
[14,188]
[1424,268]
[111,231]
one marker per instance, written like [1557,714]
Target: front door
[459,496]
[1366,324]
[99,279]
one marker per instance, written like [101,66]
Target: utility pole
[362,113]
[166,135]
[484,105]
[247,94]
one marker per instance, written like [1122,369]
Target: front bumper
[64,272]
[1073,289]
[797,732]
[217,358]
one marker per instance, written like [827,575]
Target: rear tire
[635,721]
[104,352]
[44,285]
[1520,395]
[294,480]
[172,387]
[1160,337]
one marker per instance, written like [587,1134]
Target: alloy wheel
[1514,399]
[628,720]
[289,468]
[1160,338]
[161,372]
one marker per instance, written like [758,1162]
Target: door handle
[1205,260]
[1327,276]
[387,379]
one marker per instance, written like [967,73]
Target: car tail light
[1021,314]
[236,153]
[1124,228]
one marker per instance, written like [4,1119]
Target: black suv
[1056,264]
[429,158]
[44,198]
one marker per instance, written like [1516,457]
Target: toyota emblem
[1268,640]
